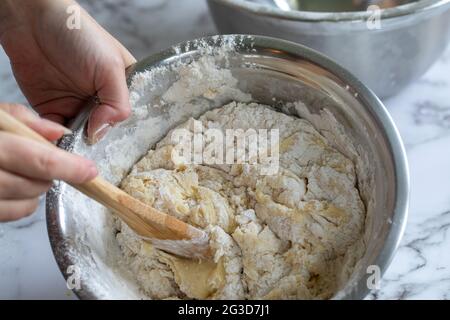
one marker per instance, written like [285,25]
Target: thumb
[114,105]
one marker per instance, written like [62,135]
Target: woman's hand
[27,168]
[59,69]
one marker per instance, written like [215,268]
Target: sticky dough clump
[289,235]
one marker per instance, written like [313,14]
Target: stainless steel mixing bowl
[411,37]
[80,230]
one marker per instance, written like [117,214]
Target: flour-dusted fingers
[14,187]
[40,161]
[16,209]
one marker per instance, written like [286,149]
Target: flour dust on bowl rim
[270,70]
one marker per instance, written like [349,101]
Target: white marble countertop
[421,267]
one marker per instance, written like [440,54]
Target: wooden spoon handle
[143,219]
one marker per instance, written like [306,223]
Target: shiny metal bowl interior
[267,68]
[331,5]
[386,56]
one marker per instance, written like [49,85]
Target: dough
[288,235]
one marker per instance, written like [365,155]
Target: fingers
[27,167]
[14,187]
[127,57]
[43,162]
[19,195]
[50,130]
[61,110]
[16,209]
[55,118]
[114,103]
[46,128]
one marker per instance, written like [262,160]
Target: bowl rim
[312,16]
[368,98]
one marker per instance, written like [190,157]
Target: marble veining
[421,267]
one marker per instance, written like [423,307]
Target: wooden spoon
[162,230]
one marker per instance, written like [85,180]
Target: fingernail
[67,131]
[99,133]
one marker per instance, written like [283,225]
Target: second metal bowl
[386,56]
